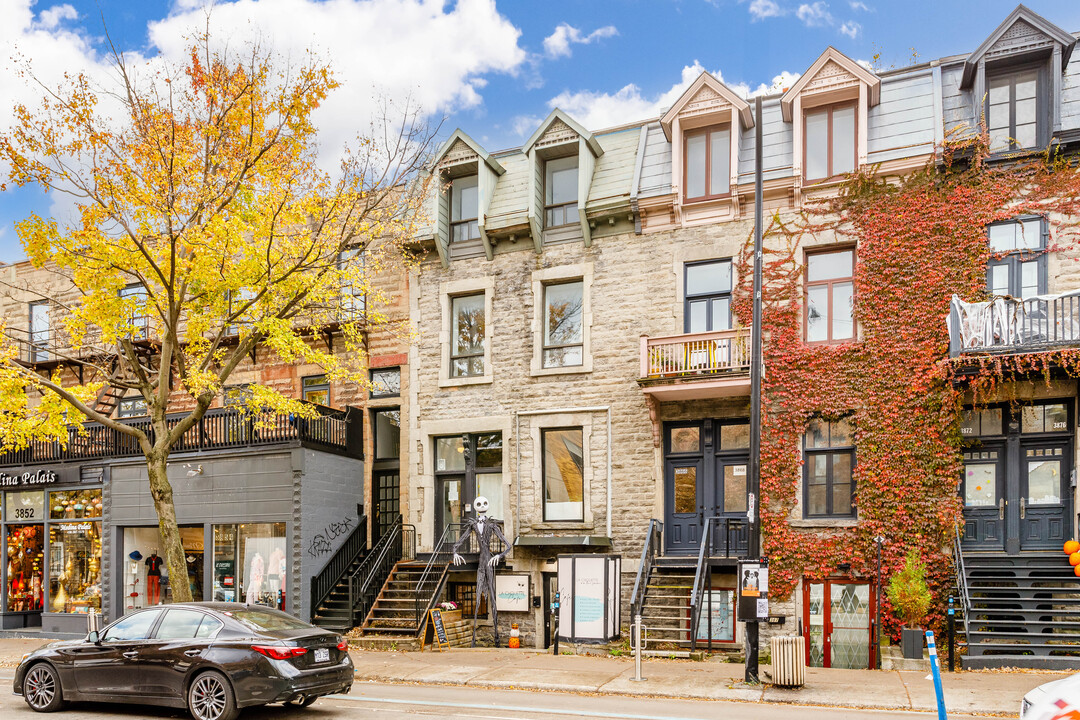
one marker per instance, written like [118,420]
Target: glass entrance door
[983,491]
[837,614]
[1043,487]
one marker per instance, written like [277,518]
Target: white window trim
[533,517]
[448,291]
[540,278]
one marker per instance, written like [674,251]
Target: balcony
[1005,326]
[696,365]
[334,431]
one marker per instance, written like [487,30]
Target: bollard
[936,672]
[951,633]
[637,644]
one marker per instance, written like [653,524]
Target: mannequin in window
[153,578]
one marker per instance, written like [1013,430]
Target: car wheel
[302,701]
[41,688]
[210,697]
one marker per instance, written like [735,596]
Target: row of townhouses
[581,360]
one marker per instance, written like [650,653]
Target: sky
[494,68]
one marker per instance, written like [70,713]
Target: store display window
[75,566]
[250,563]
[146,578]
[75,504]
[25,566]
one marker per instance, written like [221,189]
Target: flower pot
[913,643]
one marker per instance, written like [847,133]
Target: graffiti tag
[322,543]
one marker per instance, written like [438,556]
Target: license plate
[322,655]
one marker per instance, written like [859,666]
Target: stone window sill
[824,523]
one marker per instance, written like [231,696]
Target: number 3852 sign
[26,505]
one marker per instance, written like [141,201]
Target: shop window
[131,407]
[830,296]
[561,192]
[250,564]
[138,319]
[1013,115]
[830,142]
[75,504]
[39,331]
[464,209]
[315,389]
[829,461]
[75,566]
[25,565]
[563,472]
[707,306]
[386,382]
[1017,267]
[387,434]
[563,329]
[145,576]
[707,164]
[467,334]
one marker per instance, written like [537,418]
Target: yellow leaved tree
[203,227]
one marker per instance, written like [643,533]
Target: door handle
[1023,508]
[131,654]
[1001,509]
[192,653]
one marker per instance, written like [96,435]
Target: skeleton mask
[480,504]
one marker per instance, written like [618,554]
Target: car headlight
[25,655]
[1025,705]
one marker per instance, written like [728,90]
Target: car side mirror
[94,637]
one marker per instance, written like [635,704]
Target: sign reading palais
[41,477]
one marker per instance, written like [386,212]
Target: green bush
[908,593]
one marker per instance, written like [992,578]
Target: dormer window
[831,142]
[464,209]
[708,163]
[561,192]
[1013,109]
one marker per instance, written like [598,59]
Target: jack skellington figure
[485,528]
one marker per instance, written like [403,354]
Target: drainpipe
[559,411]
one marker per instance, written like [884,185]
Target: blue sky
[496,68]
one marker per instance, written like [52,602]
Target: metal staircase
[330,590]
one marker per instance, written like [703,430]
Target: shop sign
[512,593]
[41,477]
[25,505]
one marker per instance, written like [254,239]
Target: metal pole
[555,623]
[754,550]
[877,607]
[638,642]
[936,672]
[952,634]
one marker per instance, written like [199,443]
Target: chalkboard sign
[440,630]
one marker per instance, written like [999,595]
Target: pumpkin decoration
[1076,571]
[1071,546]
[1074,559]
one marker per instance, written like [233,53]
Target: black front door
[730,538]
[983,490]
[387,500]
[1044,487]
[685,506]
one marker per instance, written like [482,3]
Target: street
[370,700]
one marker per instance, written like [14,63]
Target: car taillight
[276,652]
[343,646]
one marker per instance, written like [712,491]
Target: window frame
[1042,93]
[353,300]
[543,474]
[707,133]
[808,284]
[372,372]
[142,321]
[375,412]
[1013,259]
[39,339]
[324,385]
[470,223]
[482,353]
[830,451]
[134,399]
[689,298]
[829,109]
[549,207]
[544,325]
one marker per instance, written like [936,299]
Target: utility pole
[754,491]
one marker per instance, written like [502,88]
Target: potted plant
[451,613]
[910,599]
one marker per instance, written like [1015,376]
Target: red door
[839,619]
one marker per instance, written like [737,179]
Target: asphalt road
[393,702]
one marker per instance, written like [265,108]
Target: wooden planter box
[450,616]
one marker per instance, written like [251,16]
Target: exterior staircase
[1021,610]
[333,612]
[394,611]
[665,610]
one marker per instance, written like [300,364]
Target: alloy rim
[207,698]
[40,687]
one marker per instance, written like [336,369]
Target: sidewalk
[987,693]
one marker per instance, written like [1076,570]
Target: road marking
[537,711]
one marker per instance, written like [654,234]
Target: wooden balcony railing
[1007,325]
[695,354]
[335,431]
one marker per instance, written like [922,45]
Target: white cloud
[815,15]
[761,9]
[525,125]
[856,5]
[850,28]
[49,19]
[558,43]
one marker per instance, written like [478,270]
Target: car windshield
[263,620]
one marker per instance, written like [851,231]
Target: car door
[179,643]
[111,666]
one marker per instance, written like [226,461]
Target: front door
[730,537]
[685,507]
[838,615]
[1044,473]
[387,500]
[983,490]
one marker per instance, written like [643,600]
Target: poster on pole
[753,599]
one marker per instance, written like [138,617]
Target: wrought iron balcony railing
[1006,325]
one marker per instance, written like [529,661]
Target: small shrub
[908,593]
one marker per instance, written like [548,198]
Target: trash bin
[788,661]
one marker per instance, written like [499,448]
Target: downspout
[517,449]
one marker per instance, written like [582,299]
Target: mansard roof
[460,137]
[844,64]
[1022,31]
[558,116]
[706,82]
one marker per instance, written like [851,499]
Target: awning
[571,540]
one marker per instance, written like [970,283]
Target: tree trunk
[173,547]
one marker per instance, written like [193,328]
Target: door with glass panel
[728,503]
[466,466]
[838,617]
[983,491]
[1044,469]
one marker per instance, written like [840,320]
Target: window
[133,627]
[467,328]
[829,142]
[138,319]
[386,382]
[830,296]
[564,465]
[251,566]
[353,300]
[236,395]
[131,407]
[708,164]
[1012,110]
[561,192]
[315,389]
[238,300]
[828,484]
[708,296]
[1018,265]
[39,331]
[387,434]
[464,209]
[563,336]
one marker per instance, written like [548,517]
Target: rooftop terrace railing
[1008,325]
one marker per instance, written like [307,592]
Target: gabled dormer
[1015,79]
[464,177]
[828,108]
[562,157]
[704,126]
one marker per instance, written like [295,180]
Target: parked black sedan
[213,658]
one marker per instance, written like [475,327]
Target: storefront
[52,548]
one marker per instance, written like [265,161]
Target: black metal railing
[716,542]
[335,568]
[397,543]
[430,584]
[218,428]
[961,578]
[1005,325]
[654,538]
